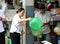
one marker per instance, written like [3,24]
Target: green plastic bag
[35,24]
[37,33]
[36,27]
[9,41]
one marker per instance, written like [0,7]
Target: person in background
[55,7]
[17,26]
[56,4]
[21,3]
[2,19]
[44,16]
[4,6]
[36,10]
[50,6]
[45,3]
[54,13]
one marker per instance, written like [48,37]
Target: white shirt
[4,6]
[16,27]
[1,24]
[3,16]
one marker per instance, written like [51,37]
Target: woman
[16,27]
[2,19]
[2,31]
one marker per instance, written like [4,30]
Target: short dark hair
[19,10]
[41,6]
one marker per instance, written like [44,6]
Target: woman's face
[21,13]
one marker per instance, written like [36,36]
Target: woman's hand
[24,20]
[29,18]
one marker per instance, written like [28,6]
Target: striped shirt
[44,18]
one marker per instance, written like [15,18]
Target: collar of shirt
[43,13]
